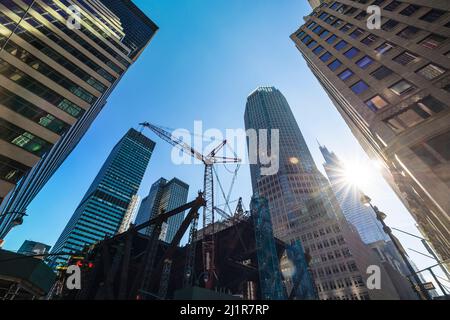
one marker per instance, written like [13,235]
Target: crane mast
[208,241]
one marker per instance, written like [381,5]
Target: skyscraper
[55,78]
[103,207]
[361,217]
[31,248]
[164,196]
[392,87]
[349,198]
[302,206]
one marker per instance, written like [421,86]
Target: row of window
[431,16]
[430,71]
[415,113]
[31,39]
[11,170]
[49,72]
[31,112]
[356,281]
[29,83]
[23,139]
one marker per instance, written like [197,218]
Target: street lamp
[381,216]
[17,221]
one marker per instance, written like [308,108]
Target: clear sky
[201,65]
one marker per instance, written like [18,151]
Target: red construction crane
[208,245]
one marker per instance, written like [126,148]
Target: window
[410,10]
[409,32]
[369,39]
[431,103]
[340,45]
[323,15]
[425,155]
[406,58]
[385,47]
[441,144]
[349,12]
[361,15]
[318,50]
[431,71]
[347,27]
[433,41]
[331,39]
[359,87]
[300,34]
[317,29]
[338,23]
[347,73]
[402,87]
[326,56]
[415,114]
[335,5]
[432,15]
[330,19]
[365,62]
[312,44]
[351,53]
[381,73]
[311,25]
[324,34]
[335,64]
[357,33]
[392,6]
[389,25]
[376,103]
[306,39]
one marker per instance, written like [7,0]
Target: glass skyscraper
[392,87]
[164,196]
[55,78]
[102,209]
[349,198]
[303,207]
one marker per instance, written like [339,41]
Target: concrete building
[392,87]
[164,196]
[303,208]
[130,214]
[104,206]
[55,78]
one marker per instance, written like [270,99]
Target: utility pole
[422,292]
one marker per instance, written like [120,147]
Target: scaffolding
[303,283]
[270,278]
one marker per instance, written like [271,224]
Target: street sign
[427,286]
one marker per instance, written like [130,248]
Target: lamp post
[14,223]
[422,292]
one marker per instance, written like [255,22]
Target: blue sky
[201,65]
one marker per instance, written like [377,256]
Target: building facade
[164,196]
[31,248]
[104,206]
[302,206]
[392,87]
[59,62]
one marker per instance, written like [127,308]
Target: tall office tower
[361,217]
[164,196]
[392,87]
[103,207]
[349,198]
[130,214]
[56,73]
[302,206]
[32,248]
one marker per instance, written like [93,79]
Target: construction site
[234,255]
